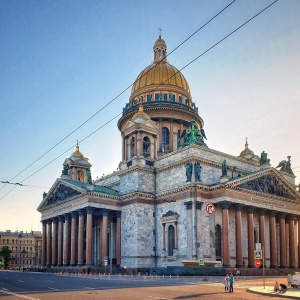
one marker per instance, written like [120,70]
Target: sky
[63,61]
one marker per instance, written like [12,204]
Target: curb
[272,294]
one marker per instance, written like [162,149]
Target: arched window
[146,147]
[165,140]
[80,177]
[218,240]
[132,144]
[171,240]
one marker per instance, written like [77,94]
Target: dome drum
[160,99]
[161,109]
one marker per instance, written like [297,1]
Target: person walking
[226,282]
[231,280]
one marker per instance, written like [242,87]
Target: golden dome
[160,74]
[77,152]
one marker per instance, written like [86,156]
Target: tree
[5,255]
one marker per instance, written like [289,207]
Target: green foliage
[5,255]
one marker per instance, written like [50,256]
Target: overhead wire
[118,95]
[203,53]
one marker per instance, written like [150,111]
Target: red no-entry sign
[258,263]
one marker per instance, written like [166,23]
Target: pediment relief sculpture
[267,184]
[61,193]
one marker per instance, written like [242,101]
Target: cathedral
[173,201]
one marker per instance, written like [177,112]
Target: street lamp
[33,260]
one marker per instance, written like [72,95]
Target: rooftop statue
[89,175]
[264,158]
[65,170]
[224,168]
[193,136]
[285,166]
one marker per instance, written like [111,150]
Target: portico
[78,234]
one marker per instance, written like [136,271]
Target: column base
[283,267]
[48,265]
[226,266]
[251,266]
[239,266]
[293,267]
[273,267]
[88,265]
[73,265]
[80,265]
[66,265]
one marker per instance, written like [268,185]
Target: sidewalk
[291,293]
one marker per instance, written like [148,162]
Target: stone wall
[137,236]
[137,180]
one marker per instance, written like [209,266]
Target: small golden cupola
[77,167]
[248,153]
[77,152]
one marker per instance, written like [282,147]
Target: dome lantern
[160,50]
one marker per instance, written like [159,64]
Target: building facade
[26,248]
[173,199]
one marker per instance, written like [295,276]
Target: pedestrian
[231,280]
[276,287]
[226,282]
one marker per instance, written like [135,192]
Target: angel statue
[192,136]
[285,166]
[264,158]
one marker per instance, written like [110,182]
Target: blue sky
[62,61]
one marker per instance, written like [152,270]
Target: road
[48,286]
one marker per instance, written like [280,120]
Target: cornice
[193,158]
[225,155]
[137,168]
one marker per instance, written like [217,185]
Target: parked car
[295,281]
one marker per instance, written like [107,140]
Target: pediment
[268,183]
[59,193]
[146,125]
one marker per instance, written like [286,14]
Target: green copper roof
[96,188]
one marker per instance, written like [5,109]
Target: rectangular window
[156,97]
[180,99]
[149,97]
[165,97]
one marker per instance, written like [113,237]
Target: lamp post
[33,260]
